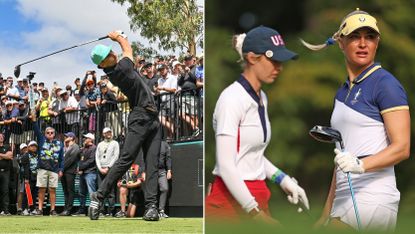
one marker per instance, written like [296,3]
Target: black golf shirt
[128,80]
[4,164]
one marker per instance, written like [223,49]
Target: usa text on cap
[267,41]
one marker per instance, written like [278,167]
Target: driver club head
[326,134]
[17,71]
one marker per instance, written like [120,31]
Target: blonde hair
[336,36]
[237,43]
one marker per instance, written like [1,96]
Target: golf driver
[330,135]
[17,68]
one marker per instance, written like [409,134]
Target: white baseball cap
[32,143]
[62,92]
[105,130]
[176,63]
[22,146]
[90,136]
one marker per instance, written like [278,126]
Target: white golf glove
[294,191]
[348,163]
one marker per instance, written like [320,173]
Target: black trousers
[68,185]
[4,190]
[110,196]
[164,188]
[143,132]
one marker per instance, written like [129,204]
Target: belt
[2,169]
[363,156]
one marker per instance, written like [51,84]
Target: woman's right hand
[265,218]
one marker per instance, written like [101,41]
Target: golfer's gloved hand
[294,191]
[348,163]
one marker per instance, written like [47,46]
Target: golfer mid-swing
[143,126]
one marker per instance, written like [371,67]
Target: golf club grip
[356,210]
[28,194]
[102,38]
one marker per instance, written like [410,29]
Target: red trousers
[220,204]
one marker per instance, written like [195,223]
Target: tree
[173,24]
[142,51]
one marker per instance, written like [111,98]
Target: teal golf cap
[99,53]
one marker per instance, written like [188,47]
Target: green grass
[47,224]
[297,226]
[299,223]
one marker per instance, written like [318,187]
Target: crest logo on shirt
[356,96]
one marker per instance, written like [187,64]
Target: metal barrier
[180,114]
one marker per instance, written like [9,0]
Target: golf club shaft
[356,211]
[59,51]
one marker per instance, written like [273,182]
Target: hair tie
[330,41]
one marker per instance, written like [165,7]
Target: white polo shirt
[237,114]
[357,114]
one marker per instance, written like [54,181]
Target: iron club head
[326,134]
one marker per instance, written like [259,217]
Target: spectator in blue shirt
[50,165]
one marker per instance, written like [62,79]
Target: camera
[123,182]
[31,75]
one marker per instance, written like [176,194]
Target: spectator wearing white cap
[107,153]
[87,171]
[4,99]
[69,106]
[29,166]
[22,91]
[9,117]
[12,92]
[21,179]
[167,86]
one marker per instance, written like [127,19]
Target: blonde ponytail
[332,40]
[329,41]
[237,42]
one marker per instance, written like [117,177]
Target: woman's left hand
[348,162]
[294,191]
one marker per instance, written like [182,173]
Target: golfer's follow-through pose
[243,131]
[372,114]
[143,125]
